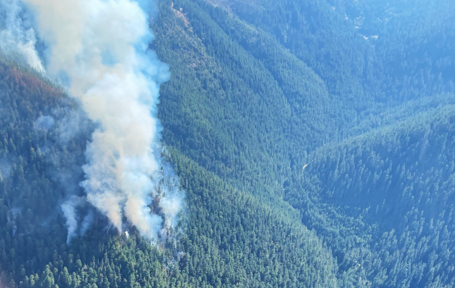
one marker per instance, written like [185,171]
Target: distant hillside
[385,201]
[309,155]
[414,41]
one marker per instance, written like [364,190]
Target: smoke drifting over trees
[17,37]
[98,51]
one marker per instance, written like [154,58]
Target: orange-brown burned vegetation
[27,79]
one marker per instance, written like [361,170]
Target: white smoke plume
[17,38]
[88,219]
[69,210]
[99,50]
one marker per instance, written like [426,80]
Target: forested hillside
[386,201]
[312,154]
[363,94]
[228,238]
[414,42]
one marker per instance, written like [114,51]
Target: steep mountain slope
[246,110]
[413,39]
[35,168]
[350,234]
[228,237]
[385,201]
[310,156]
[258,99]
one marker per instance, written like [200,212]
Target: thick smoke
[17,38]
[98,49]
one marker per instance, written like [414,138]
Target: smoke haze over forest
[202,143]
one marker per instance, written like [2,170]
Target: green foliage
[387,201]
[282,46]
[309,158]
[228,238]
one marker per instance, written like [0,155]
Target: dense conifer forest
[314,141]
